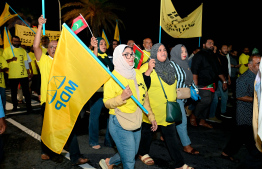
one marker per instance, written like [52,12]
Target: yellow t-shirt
[44,65]
[146,56]
[33,64]
[16,68]
[157,98]
[243,59]
[112,90]
[3,64]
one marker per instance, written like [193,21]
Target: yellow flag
[6,42]
[117,35]
[74,77]
[105,38]
[177,27]
[6,15]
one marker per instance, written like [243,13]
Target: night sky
[226,22]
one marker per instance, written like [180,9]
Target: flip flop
[193,151]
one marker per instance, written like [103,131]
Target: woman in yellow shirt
[166,73]
[116,99]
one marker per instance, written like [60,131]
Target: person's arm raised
[36,45]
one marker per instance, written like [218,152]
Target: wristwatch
[224,81]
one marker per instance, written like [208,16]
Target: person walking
[179,60]
[160,70]
[125,116]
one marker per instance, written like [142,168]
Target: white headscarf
[121,66]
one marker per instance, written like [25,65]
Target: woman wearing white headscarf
[119,103]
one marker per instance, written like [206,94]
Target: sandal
[206,125]
[193,152]
[146,159]
[186,167]
[81,161]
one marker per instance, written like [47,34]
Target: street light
[59,15]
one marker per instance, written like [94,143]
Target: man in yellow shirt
[147,43]
[44,62]
[243,61]
[18,71]
[3,68]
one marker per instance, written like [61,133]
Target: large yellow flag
[117,35]
[177,27]
[6,41]
[74,77]
[6,15]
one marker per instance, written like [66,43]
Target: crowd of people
[211,72]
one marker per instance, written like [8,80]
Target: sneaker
[226,115]
[214,119]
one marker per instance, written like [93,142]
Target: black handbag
[173,111]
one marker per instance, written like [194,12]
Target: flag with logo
[79,24]
[139,56]
[6,36]
[105,38]
[6,15]
[74,77]
[177,27]
[117,35]
[211,87]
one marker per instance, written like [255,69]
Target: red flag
[211,87]
[79,24]
[139,55]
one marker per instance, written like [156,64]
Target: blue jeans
[224,96]
[3,96]
[182,128]
[127,143]
[95,112]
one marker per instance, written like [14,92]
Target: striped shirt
[181,77]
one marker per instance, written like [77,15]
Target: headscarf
[103,56]
[176,57]
[163,69]
[121,66]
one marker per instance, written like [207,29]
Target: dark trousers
[72,142]
[244,135]
[203,105]
[25,88]
[169,134]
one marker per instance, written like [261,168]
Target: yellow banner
[177,27]
[6,15]
[27,36]
[74,77]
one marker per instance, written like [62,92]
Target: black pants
[244,135]
[203,105]
[72,143]
[170,136]
[25,88]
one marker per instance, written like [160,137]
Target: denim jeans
[95,112]
[182,128]
[224,97]
[127,143]
[3,96]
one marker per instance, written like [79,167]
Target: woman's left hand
[154,126]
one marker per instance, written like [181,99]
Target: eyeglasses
[129,55]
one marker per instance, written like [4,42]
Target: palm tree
[98,14]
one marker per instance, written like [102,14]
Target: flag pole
[9,42]
[21,18]
[105,68]
[87,25]
[199,42]
[160,21]
[43,13]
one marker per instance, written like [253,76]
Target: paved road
[22,146]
